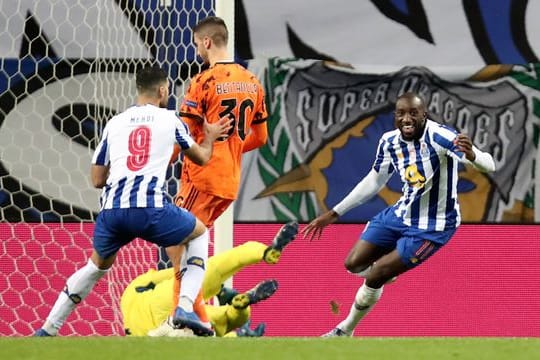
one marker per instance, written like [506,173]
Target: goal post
[224,225]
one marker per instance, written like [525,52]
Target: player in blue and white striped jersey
[130,163]
[426,155]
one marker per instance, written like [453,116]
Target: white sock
[78,286]
[364,301]
[186,303]
[196,259]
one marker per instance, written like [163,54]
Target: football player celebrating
[426,156]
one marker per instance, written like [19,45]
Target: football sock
[198,307]
[179,269]
[364,301]
[78,286]
[185,303]
[196,258]
[176,287]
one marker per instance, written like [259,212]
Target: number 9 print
[139,148]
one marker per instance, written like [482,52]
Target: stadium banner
[388,33]
[324,125]
[326,120]
[62,78]
[463,290]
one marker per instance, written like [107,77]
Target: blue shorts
[164,226]
[414,245]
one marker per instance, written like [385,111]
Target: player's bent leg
[364,273]
[238,313]
[359,261]
[261,291]
[224,265]
[197,256]
[363,255]
[179,229]
[385,269]
[365,299]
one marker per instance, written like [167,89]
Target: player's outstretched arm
[201,153]
[370,185]
[315,228]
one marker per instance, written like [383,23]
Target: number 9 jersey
[225,89]
[137,144]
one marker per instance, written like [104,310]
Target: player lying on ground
[147,301]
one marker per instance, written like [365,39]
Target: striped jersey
[137,144]
[428,168]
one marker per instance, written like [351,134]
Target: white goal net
[66,67]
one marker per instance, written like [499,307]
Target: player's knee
[200,229]
[354,264]
[351,266]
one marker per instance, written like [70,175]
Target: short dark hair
[412,95]
[149,78]
[215,28]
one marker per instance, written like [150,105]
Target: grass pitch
[269,348]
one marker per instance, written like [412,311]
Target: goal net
[67,67]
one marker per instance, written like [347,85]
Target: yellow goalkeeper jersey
[145,305]
[147,300]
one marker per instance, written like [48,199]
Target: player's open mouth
[408,130]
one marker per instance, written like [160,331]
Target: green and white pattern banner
[325,122]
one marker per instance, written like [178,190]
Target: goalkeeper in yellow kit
[147,301]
